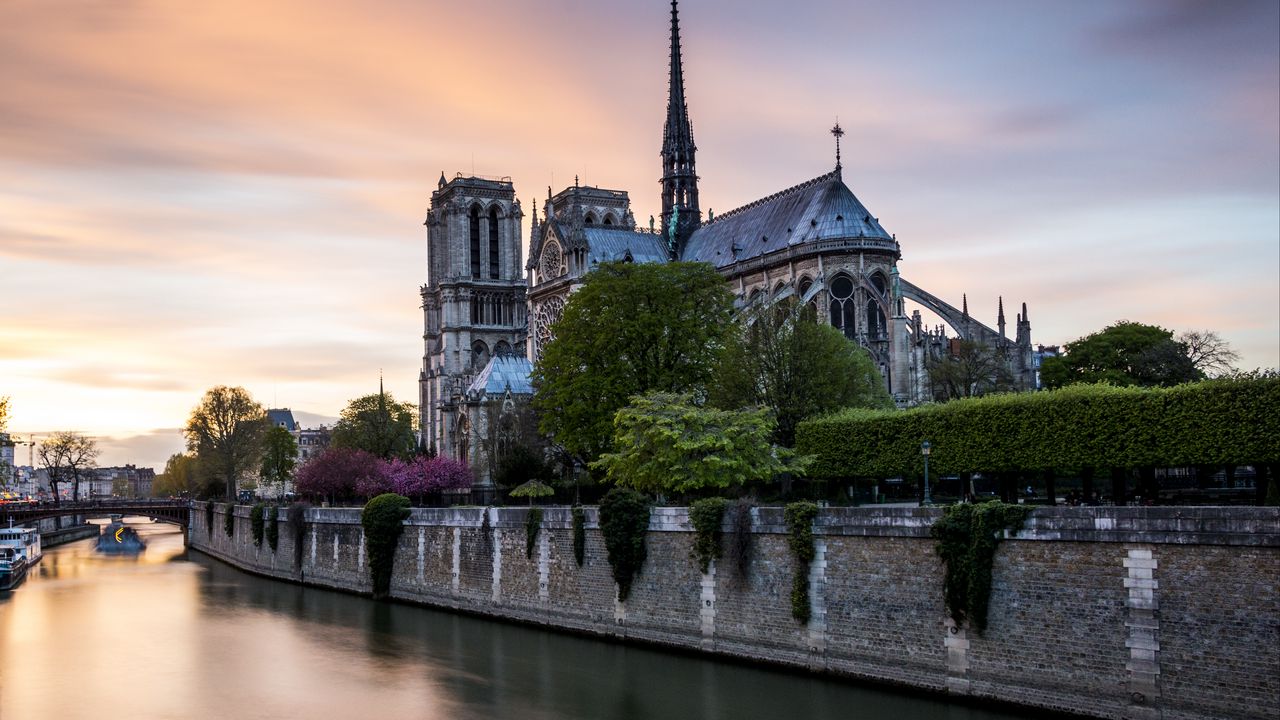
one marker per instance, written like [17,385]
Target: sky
[232,193]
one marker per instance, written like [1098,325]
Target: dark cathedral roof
[823,208]
[607,243]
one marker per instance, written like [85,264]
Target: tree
[379,425]
[781,358]
[665,443]
[225,432]
[340,473]
[67,457]
[1209,353]
[631,329]
[1127,353]
[279,455]
[970,370]
[179,477]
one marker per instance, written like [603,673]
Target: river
[175,635]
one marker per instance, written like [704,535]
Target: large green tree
[631,329]
[379,425]
[225,432]
[179,477]
[279,455]
[781,358]
[665,443]
[1127,353]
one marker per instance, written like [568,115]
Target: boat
[120,539]
[13,568]
[19,550]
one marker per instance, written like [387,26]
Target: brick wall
[1110,612]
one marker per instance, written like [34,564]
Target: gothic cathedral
[814,241]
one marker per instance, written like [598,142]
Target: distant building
[310,441]
[1037,357]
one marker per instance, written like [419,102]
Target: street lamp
[925,447]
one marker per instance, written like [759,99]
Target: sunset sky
[194,194]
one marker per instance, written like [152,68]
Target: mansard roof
[503,372]
[823,208]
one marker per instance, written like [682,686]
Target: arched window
[493,243]
[591,219]
[805,286]
[881,285]
[479,355]
[841,306]
[608,219]
[475,241]
[875,319]
[502,348]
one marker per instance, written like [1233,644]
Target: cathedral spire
[965,304]
[679,177]
[1000,315]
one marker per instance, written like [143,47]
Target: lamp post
[925,447]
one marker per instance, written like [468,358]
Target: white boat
[19,550]
[22,541]
[13,568]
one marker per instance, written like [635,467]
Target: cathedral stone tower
[473,302]
[679,176]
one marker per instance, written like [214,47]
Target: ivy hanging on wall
[383,521]
[799,517]
[297,527]
[257,523]
[532,523]
[707,518]
[273,527]
[229,520]
[208,517]
[579,534]
[624,522]
[739,550]
[967,536]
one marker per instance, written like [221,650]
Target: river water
[175,635]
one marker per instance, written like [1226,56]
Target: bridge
[173,511]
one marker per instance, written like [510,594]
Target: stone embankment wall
[1165,613]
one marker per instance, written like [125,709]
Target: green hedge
[1218,422]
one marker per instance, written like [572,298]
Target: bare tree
[67,456]
[970,369]
[1209,353]
[225,432]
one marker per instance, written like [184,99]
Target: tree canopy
[379,425]
[279,455]
[1127,353]
[225,432]
[631,329]
[782,359]
[971,369]
[665,443]
[67,457]
[179,477]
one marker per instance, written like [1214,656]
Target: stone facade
[1103,612]
[473,304]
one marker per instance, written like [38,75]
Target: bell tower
[473,303]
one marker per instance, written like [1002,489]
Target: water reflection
[164,635]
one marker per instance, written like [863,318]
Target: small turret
[1000,316]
